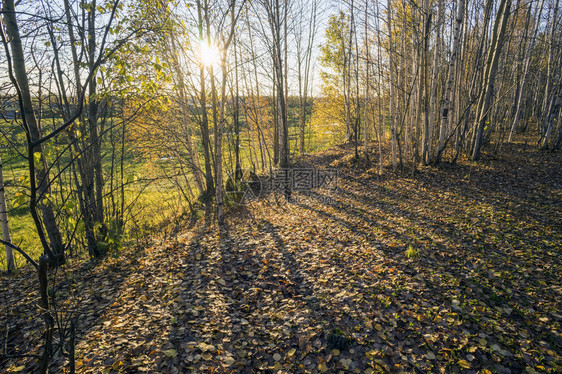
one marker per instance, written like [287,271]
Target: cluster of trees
[446,77]
[53,56]
[54,53]
[265,50]
[91,84]
[212,85]
[216,86]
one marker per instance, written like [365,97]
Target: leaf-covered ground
[454,269]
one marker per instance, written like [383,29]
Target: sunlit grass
[152,204]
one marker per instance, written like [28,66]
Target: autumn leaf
[464,364]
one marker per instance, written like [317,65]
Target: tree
[275,13]
[305,31]
[393,132]
[39,177]
[335,58]
[452,73]
[218,151]
[485,100]
[553,87]
[204,123]
[527,47]
[10,264]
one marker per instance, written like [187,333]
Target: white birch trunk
[10,263]
[450,81]
[391,103]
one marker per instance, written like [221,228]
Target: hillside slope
[453,269]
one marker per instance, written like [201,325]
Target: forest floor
[452,269]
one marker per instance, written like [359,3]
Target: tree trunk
[275,23]
[498,37]
[275,120]
[554,108]
[39,173]
[236,119]
[426,136]
[393,134]
[220,125]
[367,84]
[550,101]
[95,139]
[526,65]
[452,73]
[10,263]
[433,107]
[204,123]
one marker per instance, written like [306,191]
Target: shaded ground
[456,269]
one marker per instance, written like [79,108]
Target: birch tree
[305,31]
[10,263]
[38,168]
[227,39]
[275,13]
[485,100]
[451,74]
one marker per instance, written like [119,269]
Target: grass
[153,206]
[150,205]
[412,253]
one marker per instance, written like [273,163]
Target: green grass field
[152,199]
[150,204]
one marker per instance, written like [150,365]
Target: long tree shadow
[455,264]
[258,305]
[467,256]
[102,308]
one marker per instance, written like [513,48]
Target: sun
[209,54]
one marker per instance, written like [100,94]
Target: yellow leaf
[37,158]
[116,365]
[464,364]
